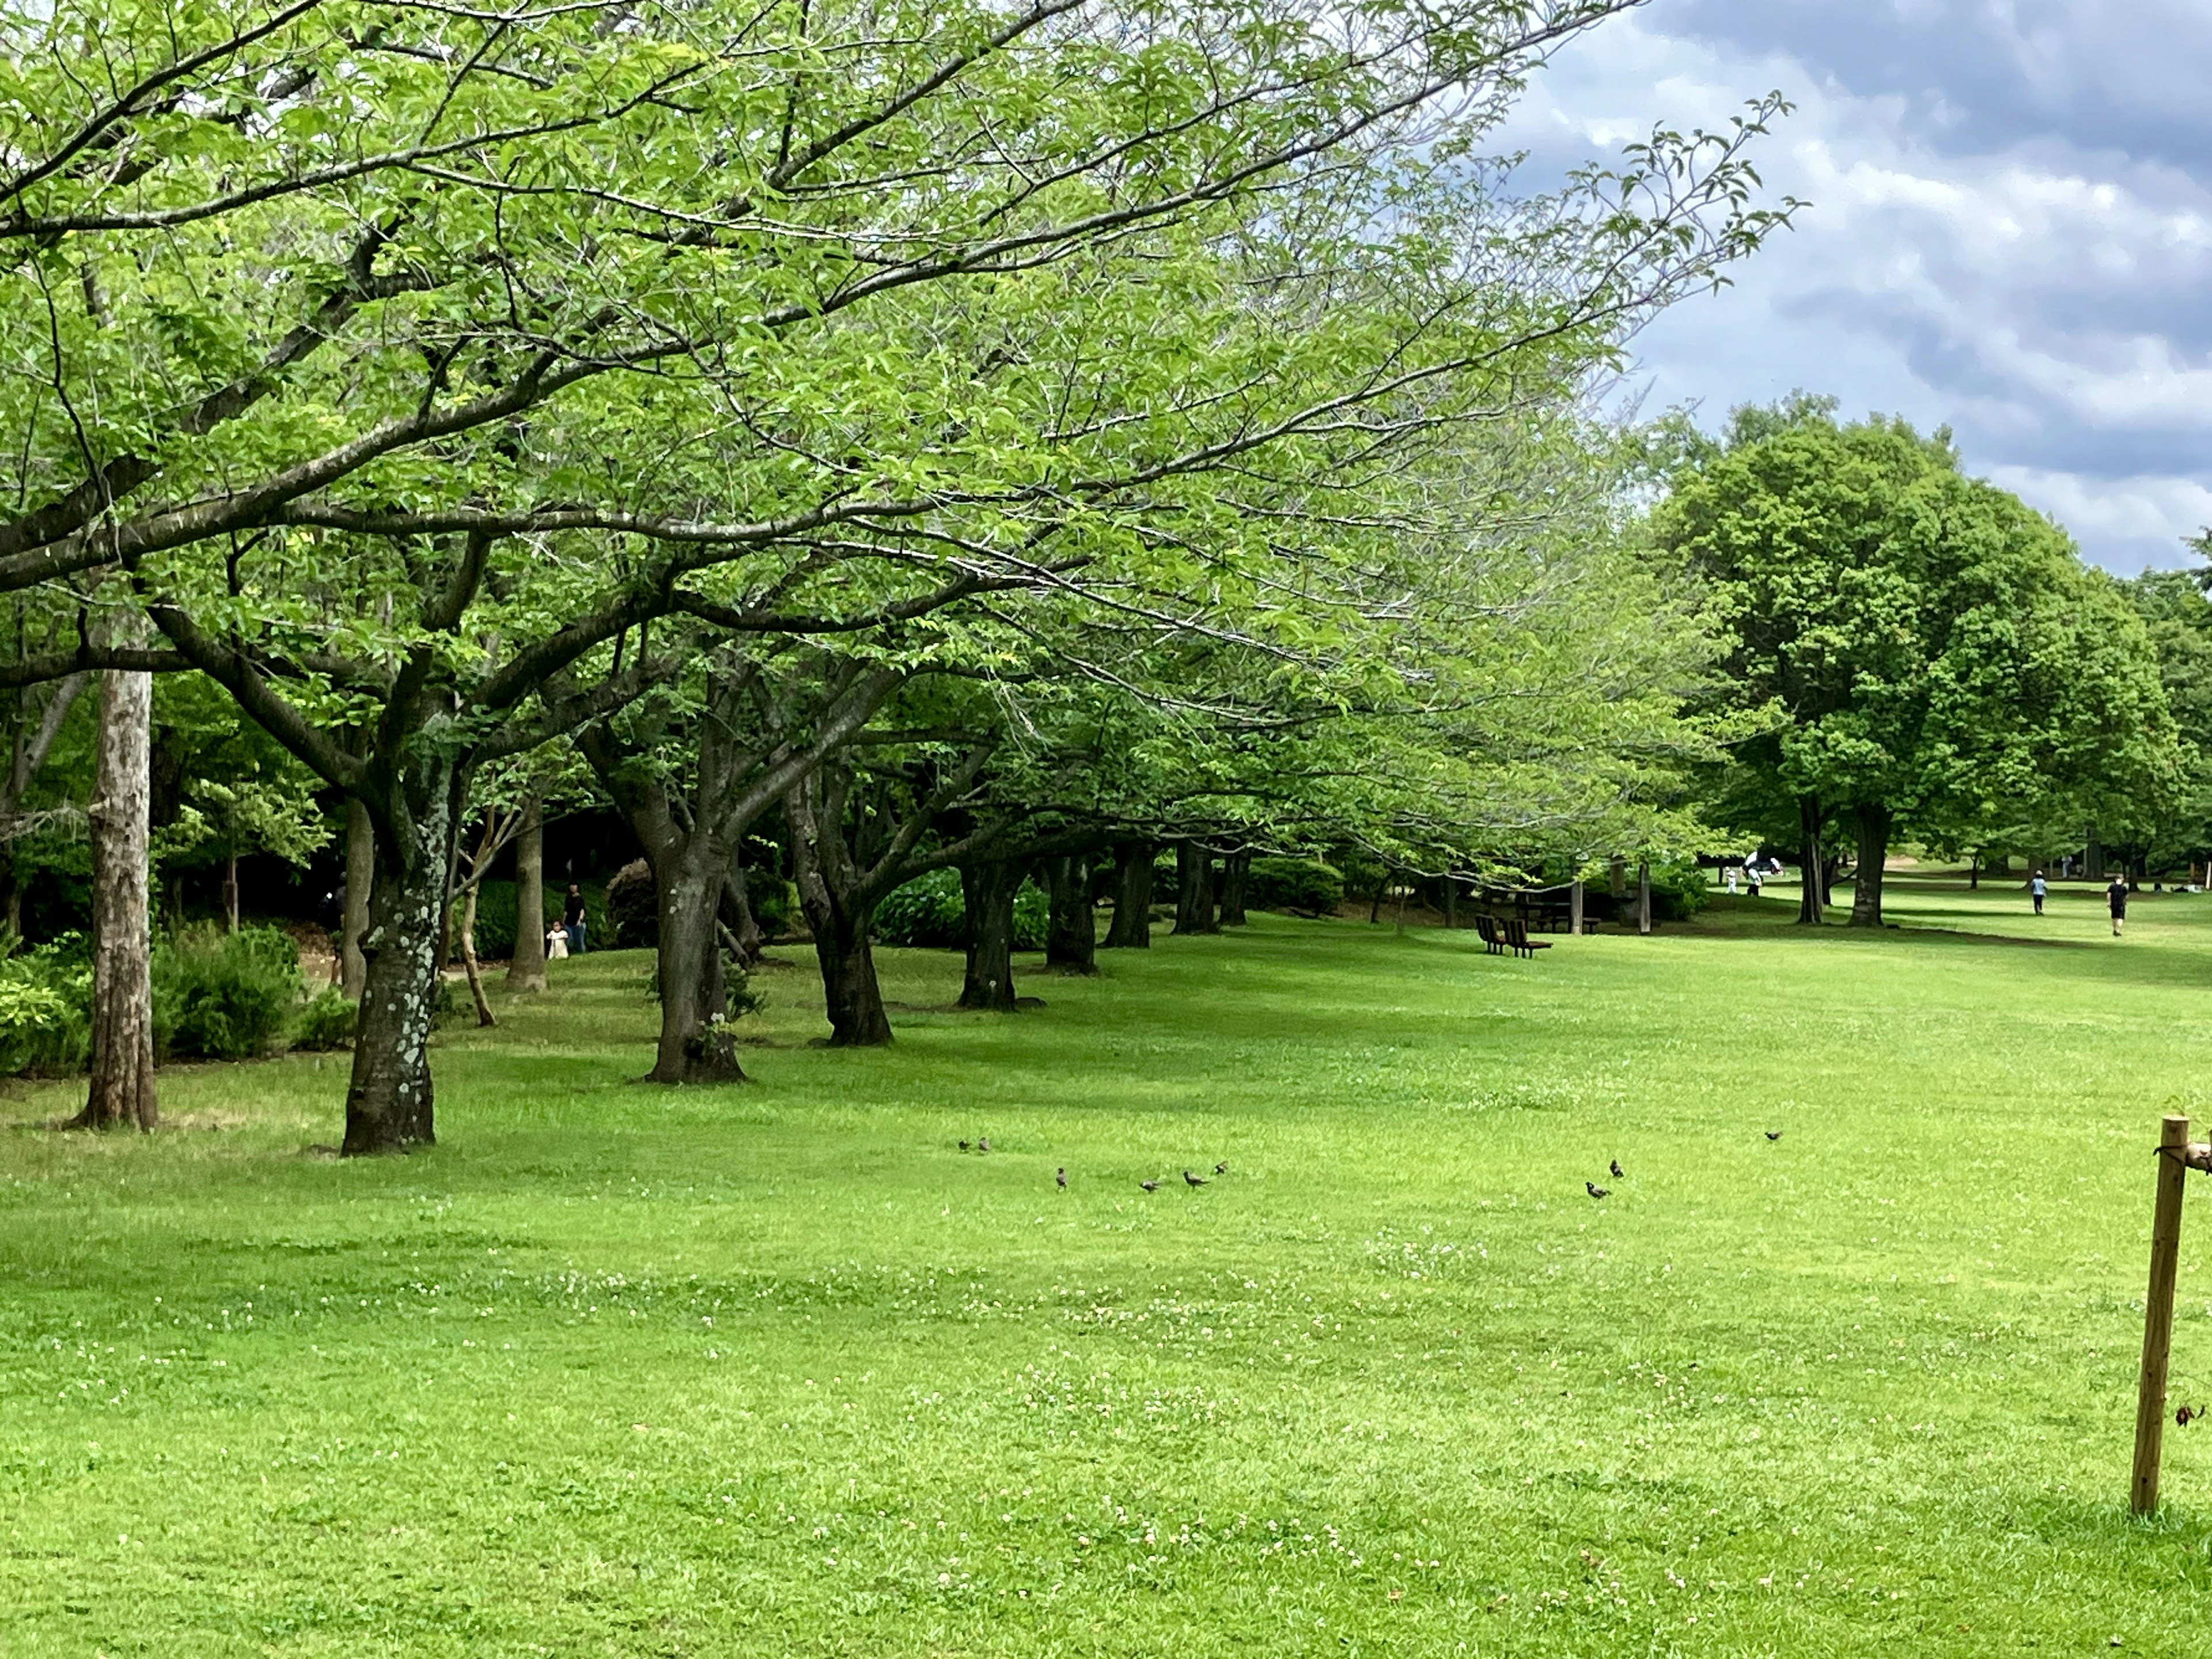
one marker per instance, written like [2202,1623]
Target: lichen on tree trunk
[694,997]
[359,880]
[122,1089]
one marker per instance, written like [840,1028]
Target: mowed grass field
[778,1369]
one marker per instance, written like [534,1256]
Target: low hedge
[1307,884]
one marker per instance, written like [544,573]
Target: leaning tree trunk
[1131,928]
[468,957]
[987,891]
[695,1046]
[388,1102]
[122,1089]
[1874,850]
[359,881]
[1812,899]
[1070,936]
[1193,888]
[526,969]
[1236,873]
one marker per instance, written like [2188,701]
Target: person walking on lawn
[2116,896]
[2038,887]
[572,919]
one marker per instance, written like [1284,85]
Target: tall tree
[122,1090]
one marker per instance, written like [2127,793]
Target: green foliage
[1306,884]
[928,911]
[45,1007]
[219,995]
[1680,889]
[327,1021]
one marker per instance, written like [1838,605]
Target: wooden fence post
[2158,1311]
[1644,897]
[1574,908]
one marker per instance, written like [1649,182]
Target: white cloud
[2002,267]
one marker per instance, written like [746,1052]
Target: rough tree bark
[1071,939]
[388,1100]
[1873,848]
[1193,888]
[987,891]
[34,726]
[738,914]
[1813,898]
[1236,871]
[359,878]
[122,1091]
[1131,928]
[526,969]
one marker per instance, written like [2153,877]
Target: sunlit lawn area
[620,1370]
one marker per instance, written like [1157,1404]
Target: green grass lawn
[621,1370]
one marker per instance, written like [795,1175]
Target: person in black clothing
[572,919]
[2116,896]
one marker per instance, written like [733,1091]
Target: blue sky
[2011,231]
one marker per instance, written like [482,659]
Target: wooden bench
[1518,940]
[1493,942]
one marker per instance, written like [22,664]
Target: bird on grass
[1774,1134]
[984,1145]
[964,1145]
[1616,1174]
[1060,1176]
[1193,1180]
[1150,1186]
[1596,1191]
[1221,1169]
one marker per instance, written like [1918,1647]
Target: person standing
[1752,874]
[572,919]
[2037,887]
[2116,896]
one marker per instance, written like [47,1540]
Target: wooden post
[1644,897]
[2158,1311]
[1574,907]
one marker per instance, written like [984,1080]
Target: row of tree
[977,434]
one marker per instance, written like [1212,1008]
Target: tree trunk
[1236,873]
[1644,895]
[526,969]
[388,1102]
[737,912]
[694,998]
[1974,872]
[1812,900]
[1617,876]
[1874,849]
[2093,857]
[1451,902]
[1193,888]
[987,891]
[469,957]
[1071,939]
[122,1091]
[359,880]
[230,889]
[1381,886]
[853,998]
[1131,928]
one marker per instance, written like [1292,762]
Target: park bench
[1517,939]
[1493,940]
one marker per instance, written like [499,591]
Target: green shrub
[327,1022]
[45,1007]
[775,902]
[928,911]
[224,996]
[1306,884]
[1680,889]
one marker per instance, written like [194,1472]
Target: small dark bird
[1150,1186]
[1194,1181]
[2185,1415]
[964,1145]
[1596,1191]
[984,1145]
[1617,1175]
[1774,1134]
[1060,1176]
[1221,1169]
